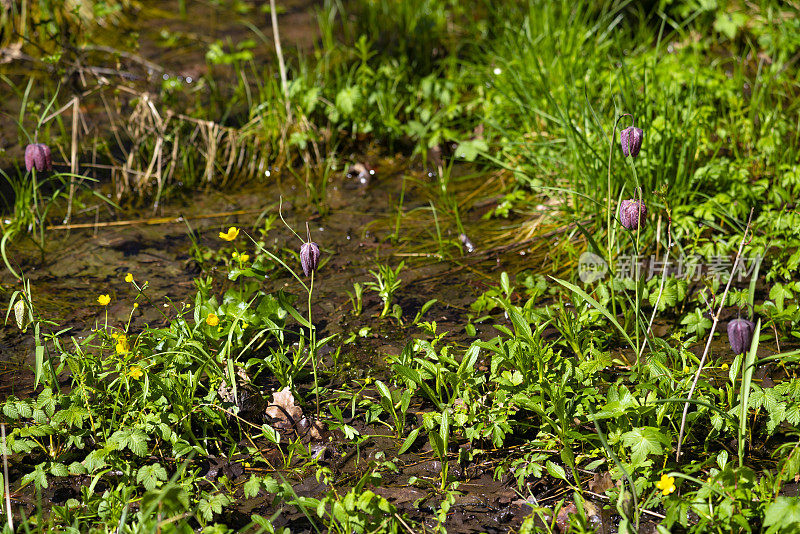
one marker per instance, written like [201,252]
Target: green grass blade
[599,307]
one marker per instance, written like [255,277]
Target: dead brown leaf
[283,412]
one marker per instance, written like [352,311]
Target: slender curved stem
[710,337]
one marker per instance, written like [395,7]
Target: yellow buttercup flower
[666,484]
[135,304]
[212,319]
[724,366]
[244,257]
[122,345]
[230,235]
[103,300]
[136,373]
[235,255]
[129,278]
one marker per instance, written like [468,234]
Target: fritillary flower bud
[632,213]
[740,334]
[19,313]
[37,156]
[631,140]
[309,257]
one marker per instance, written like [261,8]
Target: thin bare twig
[279,51]
[711,336]
[661,287]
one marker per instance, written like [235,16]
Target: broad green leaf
[252,487]
[644,441]
[151,476]
[556,471]
[412,437]
[59,470]
[783,515]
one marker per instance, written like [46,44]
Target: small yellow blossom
[135,304]
[103,300]
[244,326]
[136,373]
[244,257]
[230,235]
[235,255]
[724,366]
[212,319]
[122,345]
[129,278]
[666,484]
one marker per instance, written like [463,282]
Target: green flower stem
[312,334]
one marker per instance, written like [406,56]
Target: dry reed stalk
[281,65]
[153,220]
[73,163]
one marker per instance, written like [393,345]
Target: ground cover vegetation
[634,371]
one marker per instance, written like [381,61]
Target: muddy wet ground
[92,258]
[356,231]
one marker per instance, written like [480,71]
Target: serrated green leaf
[77,468]
[95,460]
[10,410]
[643,442]
[24,409]
[252,487]
[59,469]
[151,476]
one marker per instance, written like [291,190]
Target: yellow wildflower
[122,345]
[129,278]
[230,235]
[135,304]
[724,366]
[235,255]
[136,373]
[103,300]
[666,484]
[244,257]
[212,319]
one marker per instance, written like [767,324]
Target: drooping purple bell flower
[309,257]
[632,213]
[740,334]
[37,156]
[631,140]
